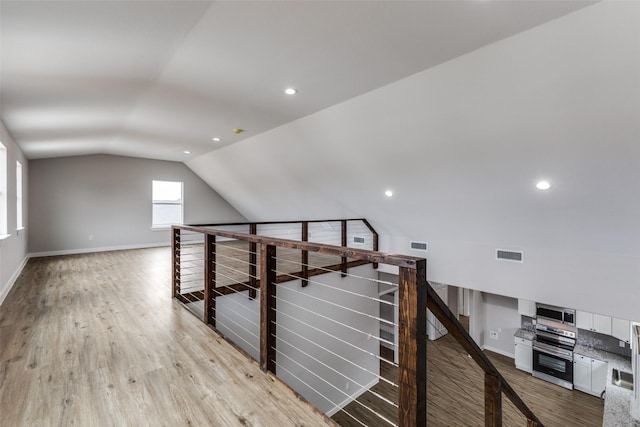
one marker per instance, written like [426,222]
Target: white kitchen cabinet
[621,329]
[589,375]
[524,354]
[582,373]
[526,308]
[593,322]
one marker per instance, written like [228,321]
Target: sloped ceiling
[462,146]
[156,78]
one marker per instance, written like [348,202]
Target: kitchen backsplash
[588,338]
[603,342]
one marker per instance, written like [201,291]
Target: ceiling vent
[358,239]
[516,256]
[419,246]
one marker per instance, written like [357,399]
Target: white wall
[462,145]
[327,389]
[109,197]
[13,249]
[500,315]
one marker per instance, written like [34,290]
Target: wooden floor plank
[96,340]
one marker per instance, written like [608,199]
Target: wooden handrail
[415,296]
[455,328]
[360,254]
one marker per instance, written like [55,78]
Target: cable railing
[305,300]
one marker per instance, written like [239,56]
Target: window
[19,225]
[3,190]
[167,203]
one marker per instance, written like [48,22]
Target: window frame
[163,202]
[19,197]
[4,201]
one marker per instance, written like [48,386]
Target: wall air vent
[419,246]
[357,239]
[515,256]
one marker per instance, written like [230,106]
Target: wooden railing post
[492,401]
[305,254]
[343,235]
[412,346]
[210,280]
[253,260]
[175,261]
[267,308]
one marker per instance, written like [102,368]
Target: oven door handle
[561,356]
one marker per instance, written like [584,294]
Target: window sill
[161,228]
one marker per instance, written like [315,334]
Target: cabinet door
[582,373]
[526,308]
[584,320]
[620,329]
[598,376]
[524,355]
[602,324]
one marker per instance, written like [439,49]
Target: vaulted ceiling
[157,78]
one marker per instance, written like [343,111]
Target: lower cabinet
[524,354]
[589,375]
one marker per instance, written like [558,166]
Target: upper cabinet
[593,322]
[526,307]
[621,329]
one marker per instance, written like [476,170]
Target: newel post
[492,401]
[210,279]
[175,261]
[267,308]
[412,346]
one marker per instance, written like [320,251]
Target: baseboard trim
[330,413]
[499,351]
[101,249]
[13,279]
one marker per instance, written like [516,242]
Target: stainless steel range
[553,352]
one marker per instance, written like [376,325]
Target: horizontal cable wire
[234,280]
[244,273]
[237,335]
[252,333]
[333,336]
[388,322]
[244,261]
[338,289]
[236,302]
[384,282]
[327,382]
[337,355]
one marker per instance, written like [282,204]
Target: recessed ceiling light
[388,193]
[216,139]
[290,91]
[543,185]
[187,152]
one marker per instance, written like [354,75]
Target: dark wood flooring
[455,394]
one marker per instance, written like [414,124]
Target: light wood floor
[96,340]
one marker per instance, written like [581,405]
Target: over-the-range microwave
[559,314]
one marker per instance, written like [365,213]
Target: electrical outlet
[493,335]
[90,236]
[621,343]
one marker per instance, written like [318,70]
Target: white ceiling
[155,78]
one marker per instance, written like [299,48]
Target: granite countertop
[525,334]
[617,399]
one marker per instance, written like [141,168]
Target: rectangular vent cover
[357,239]
[510,255]
[419,246]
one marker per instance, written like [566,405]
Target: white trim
[499,351]
[102,249]
[351,398]
[13,279]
